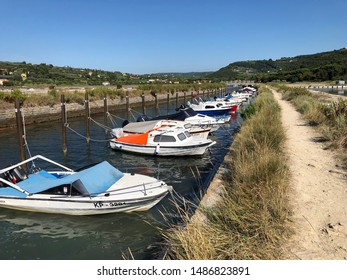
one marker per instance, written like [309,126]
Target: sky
[152,36]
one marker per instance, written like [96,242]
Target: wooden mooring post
[64,123]
[156,105]
[127,105]
[167,103]
[20,130]
[106,112]
[87,114]
[176,99]
[143,104]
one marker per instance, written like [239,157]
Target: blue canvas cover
[96,179]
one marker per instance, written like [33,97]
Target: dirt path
[318,194]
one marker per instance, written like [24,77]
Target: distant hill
[188,75]
[23,73]
[27,73]
[323,66]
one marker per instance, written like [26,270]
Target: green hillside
[22,73]
[315,67]
[325,66]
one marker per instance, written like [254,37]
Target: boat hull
[159,150]
[131,192]
[216,112]
[80,207]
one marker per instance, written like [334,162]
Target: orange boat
[160,140]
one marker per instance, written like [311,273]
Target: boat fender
[157,148]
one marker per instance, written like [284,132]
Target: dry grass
[250,222]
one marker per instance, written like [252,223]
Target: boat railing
[14,186]
[33,159]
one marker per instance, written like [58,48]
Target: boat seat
[19,174]
[2,185]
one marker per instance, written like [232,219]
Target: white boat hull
[133,192]
[160,150]
[83,206]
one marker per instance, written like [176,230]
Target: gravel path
[318,193]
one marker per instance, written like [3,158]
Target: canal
[26,235]
[335,91]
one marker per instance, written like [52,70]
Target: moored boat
[188,115]
[161,141]
[99,189]
[142,127]
[212,108]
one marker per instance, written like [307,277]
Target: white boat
[187,114]
[142,127]
[212,108]
[99,189]
[161,141]
[230,99]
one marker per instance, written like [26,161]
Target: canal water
[26,235]
[335,91]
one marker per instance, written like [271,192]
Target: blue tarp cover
[96,179]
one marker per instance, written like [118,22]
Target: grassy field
[250,220]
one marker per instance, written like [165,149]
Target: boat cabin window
[187,126]
[164,138]
[209,107]
[182,136]
[187,134]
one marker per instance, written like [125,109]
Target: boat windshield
[164,138]
[182,136]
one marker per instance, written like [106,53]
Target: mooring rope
[81,135]
[136,111]
[100,124]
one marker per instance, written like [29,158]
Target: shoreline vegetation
[44,105]
[251,215]
[250,219]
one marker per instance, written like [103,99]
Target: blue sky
[153,36]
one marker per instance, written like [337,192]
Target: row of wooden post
[65,124]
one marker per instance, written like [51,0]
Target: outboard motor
[142,118]
[181,107]
[125,123]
